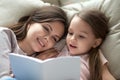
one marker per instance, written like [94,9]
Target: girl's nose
[73,38]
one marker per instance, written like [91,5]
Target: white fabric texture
[12,10]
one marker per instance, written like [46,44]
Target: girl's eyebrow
[79,31]
[84,32]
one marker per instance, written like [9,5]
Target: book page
[25,67]
[29,68]
[62,68]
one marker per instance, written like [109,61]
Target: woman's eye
[46,28]
[55,39]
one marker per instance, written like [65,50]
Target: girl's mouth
[72,46]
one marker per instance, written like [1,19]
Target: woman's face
[42,36]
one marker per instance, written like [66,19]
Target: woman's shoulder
[7,36]
[4,28]
[4,31]
[8,40]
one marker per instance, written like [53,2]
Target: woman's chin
[37,49]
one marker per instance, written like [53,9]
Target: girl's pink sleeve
[103,59]
[64,52]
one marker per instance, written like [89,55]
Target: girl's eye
[70,33]
[81,36]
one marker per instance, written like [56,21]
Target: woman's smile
[41,42]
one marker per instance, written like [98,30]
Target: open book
[29,68]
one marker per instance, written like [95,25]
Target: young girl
[35,33]
[87,31]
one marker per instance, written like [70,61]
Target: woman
[35,33]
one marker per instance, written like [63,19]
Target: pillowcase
[53,2]
[12,10]
[111,50]
[111,46]
[74,8]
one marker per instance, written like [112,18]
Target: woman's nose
[45,39]
[48,39]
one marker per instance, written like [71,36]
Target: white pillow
[53,2]
[111,47]
[74,8]
[12,10]
[111,50]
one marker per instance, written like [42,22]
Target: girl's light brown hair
[99,25]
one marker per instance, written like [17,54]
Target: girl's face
[42,36]
[80,38]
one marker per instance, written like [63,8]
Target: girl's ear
[97,42]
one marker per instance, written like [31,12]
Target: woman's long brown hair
[43,14]
[99,24]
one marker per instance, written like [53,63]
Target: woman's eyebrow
[52,30]
[50,26]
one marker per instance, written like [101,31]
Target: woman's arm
[7,45]
[106,73]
